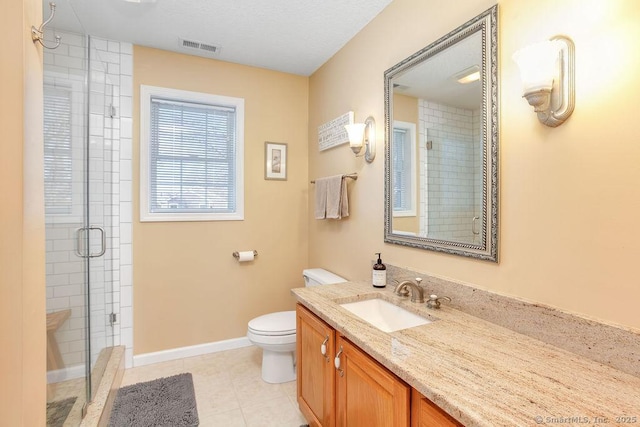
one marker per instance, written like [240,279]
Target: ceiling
[293,36]
[435,79]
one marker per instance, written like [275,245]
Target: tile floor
[229,389]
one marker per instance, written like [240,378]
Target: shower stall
[87,174]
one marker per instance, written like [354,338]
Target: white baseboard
[70,373]
[191,351]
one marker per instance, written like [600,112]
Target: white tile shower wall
[125,208]
[116,58]
[110,187]
[451,193]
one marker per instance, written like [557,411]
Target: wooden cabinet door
[367,394]
[315,371]
[425,413]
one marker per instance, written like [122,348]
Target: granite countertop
[480,373]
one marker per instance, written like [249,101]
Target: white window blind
[191,156]
[401,167]
[58,154]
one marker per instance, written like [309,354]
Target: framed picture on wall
[275,167]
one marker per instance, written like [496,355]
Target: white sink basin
[385,316]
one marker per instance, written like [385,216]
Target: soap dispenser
[379,277]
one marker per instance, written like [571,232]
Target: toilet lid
[280,323]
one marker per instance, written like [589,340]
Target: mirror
[441,159]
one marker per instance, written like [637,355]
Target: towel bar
[353,176]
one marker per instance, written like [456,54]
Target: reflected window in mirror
[404,169]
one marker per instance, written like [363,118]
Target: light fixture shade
[538,65]
[548,77]
[356,134]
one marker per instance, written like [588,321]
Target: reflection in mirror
[441,164]
[445,93]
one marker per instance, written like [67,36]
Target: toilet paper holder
[236,254]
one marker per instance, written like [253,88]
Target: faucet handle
[401,290]
[418,280]
[434,301]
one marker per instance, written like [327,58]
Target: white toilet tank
[320,276]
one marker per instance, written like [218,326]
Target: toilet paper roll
[244,256]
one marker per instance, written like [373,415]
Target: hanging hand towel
[344,200]
[331,198]
[321,198]
[334,196]
[337,203]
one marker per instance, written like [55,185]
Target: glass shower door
[80,213]
[67,269]
[102,214]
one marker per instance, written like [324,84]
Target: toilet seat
[274,324]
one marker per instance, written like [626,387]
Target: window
[191,156]
[404,169]
[63,186]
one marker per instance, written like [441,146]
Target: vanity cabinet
[315,371]
[425,413]
[359,392]
[367,394]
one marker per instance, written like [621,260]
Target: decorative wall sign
[333,133]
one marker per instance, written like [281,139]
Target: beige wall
[569,197]
[188,289]
[22,288]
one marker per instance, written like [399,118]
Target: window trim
[410,129]
[146,93]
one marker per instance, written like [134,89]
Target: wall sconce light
[547,70]
[363,134]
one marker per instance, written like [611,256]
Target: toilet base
[278,367]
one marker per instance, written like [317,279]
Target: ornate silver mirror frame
[484,244]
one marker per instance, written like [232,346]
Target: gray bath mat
[58,411]
[167,402]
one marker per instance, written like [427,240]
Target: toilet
[275,333]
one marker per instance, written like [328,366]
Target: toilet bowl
[275,333]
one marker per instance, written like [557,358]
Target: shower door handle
[473,225]
[80,243]
[103,242]
[80,249]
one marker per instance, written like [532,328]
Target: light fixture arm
[555,106]
[566,89]
[370,139]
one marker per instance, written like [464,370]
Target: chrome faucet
[434,301]
[417,293]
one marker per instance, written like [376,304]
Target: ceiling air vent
[199,47]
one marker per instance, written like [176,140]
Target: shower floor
[71,388]
[77,388]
